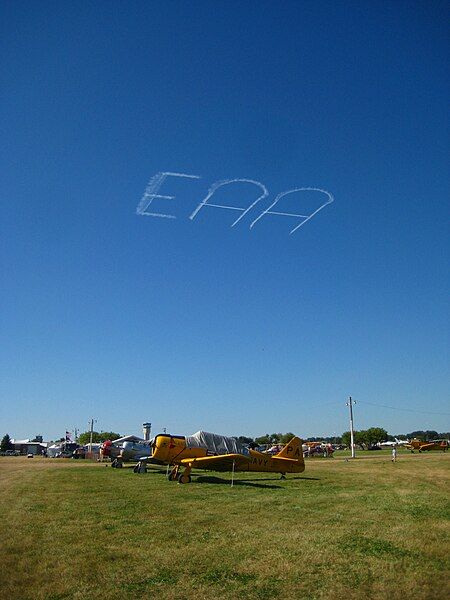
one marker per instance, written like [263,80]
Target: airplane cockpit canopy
[215,444]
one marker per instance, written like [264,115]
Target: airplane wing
[222,462]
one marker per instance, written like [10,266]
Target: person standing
[394,453]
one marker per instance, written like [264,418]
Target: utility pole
[91,423]
[350,404]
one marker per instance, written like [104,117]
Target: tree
[360,438]
[424,436]
[264,439]
[365,437]
[375,435]
[286,437]
[97,437]
[346,439]
[242,439]
[6,443]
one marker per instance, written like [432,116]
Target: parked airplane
[425,446]
[396,443]
[129,448]
[214,452]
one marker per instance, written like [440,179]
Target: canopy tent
[54,450]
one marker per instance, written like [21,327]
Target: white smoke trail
[151,193]
[217,185]
[305,217]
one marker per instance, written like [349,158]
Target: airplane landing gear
[173,475]
[117,463]
[186,476]
[141,467]
[283,476]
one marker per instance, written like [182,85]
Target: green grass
[343,529]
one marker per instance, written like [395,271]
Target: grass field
[343,529]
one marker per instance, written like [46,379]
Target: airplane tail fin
[293,450]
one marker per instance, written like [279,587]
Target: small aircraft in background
[425,446]
[214,452]
[397,442]
[128,448]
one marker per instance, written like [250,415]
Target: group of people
[325,450]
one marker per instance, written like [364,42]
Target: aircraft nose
[106,449]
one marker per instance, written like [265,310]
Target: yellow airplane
[217,453]
[423,446]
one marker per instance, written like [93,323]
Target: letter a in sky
[217,185]
[305,218]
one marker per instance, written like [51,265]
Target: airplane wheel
[135,469]
[184,478]
[119,465]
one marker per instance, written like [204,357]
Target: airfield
[363,528]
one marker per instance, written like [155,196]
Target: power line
[334,403]
[426,412]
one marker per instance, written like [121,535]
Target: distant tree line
[274,438]
[365,438]
[333,439]
[429,434]
[97,437]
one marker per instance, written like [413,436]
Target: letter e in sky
[151,193]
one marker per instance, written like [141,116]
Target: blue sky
[192,324]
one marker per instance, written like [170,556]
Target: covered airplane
[214,452]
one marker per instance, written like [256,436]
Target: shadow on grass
[158,471]
[242,482]
[249,482]
[150,469]
[288,478]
